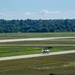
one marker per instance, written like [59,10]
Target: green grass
[58,64]
[33,47]
[17,50]
[34,35]
[62,48]
[24,50]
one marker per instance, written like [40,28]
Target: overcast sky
[37,9]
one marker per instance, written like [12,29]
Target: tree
[44,29]
[56,25]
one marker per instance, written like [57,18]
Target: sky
[37,9]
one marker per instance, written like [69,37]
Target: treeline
[56,25]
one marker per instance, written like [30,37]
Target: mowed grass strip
[34,47]
[17,50]
[58,64]
[35,35]
[24,50]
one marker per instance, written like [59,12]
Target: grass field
[33,47]
[34,35]
[24,50]
[58,64]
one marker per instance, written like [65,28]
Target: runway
[35,55]
[35,39]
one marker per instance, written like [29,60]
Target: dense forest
[56,25]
